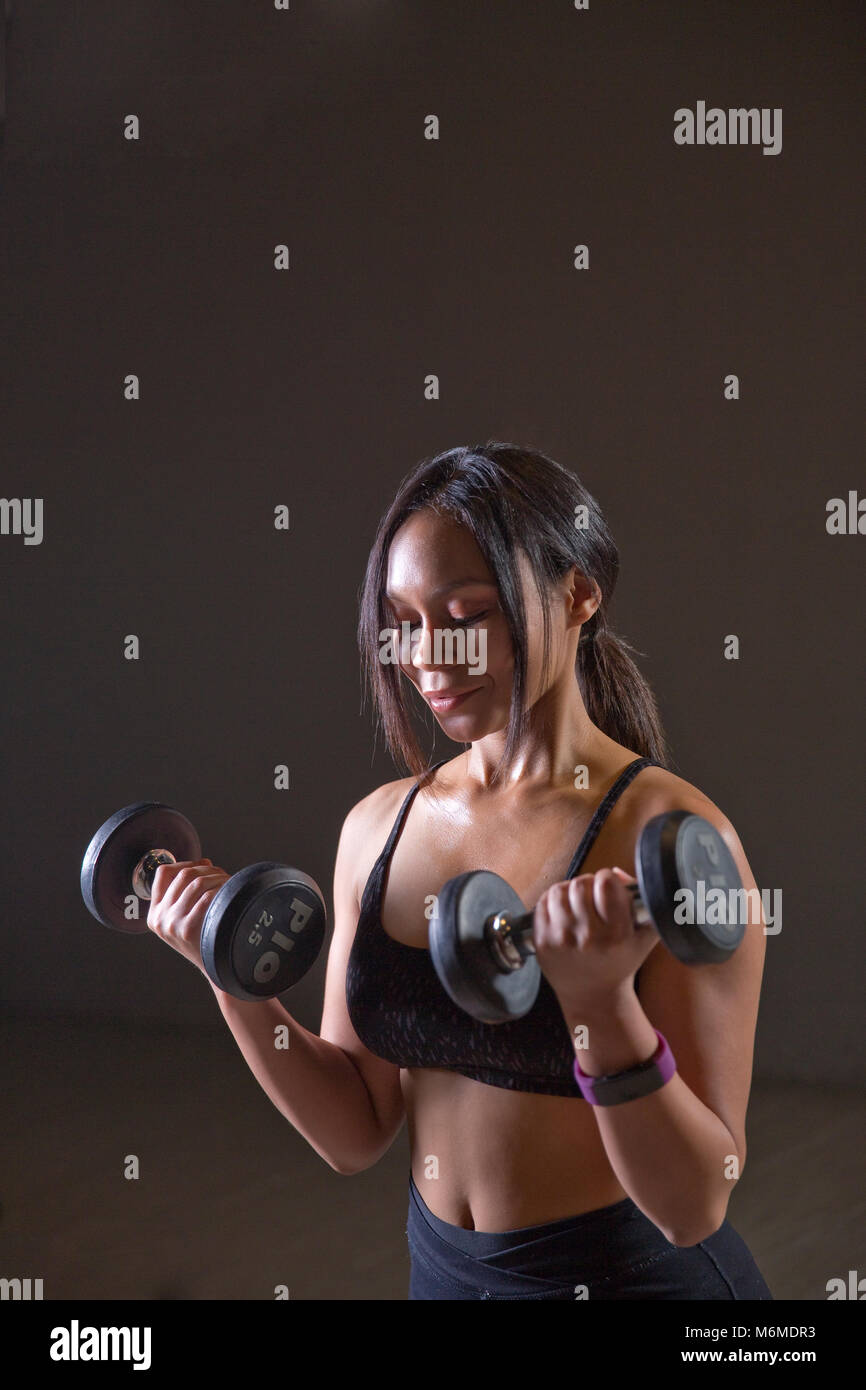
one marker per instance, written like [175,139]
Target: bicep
[381,1078]
[708,1013]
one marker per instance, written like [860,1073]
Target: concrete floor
[231,1201]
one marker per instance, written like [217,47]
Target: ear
[584,597]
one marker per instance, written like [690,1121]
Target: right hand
[180,898]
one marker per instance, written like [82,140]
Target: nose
[423,648]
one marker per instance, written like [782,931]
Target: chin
[465,729]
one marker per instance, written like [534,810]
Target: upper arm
[708,1013]
[356,853]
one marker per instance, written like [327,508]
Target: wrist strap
[632,1083]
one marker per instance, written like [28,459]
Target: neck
[561,737]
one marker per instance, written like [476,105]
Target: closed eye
[457,622]
[476,618]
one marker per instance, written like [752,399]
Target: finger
[541,925]
[567,906]
[171,879]
[589,924]
[194,889]
[547,923]
[191,921]
[613,905]
[621,873]
[169,870]
[626,879]
[172,920]
[179,894]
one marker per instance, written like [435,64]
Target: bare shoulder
[378,808]
[657,790]
[665,791]
[366,828]
[654,791]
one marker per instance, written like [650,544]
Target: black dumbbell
[481,936]
[263,929]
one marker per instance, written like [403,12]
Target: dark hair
[509,497]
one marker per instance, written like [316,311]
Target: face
[439,580]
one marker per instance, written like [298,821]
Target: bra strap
[401,816]
[625,778]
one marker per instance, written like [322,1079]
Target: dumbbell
[481,936]
[264,928]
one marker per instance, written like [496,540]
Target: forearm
[669,1151]
[312,1082]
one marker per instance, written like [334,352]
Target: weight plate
[114,851]
[705,864]
[462,956]
[263,931]
[678,850]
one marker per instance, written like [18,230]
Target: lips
[444,701]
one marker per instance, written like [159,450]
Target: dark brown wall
[411,257]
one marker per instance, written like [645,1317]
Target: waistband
[593,1243]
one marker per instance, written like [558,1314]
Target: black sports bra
[401,1012]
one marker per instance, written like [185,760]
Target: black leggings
[614,1252]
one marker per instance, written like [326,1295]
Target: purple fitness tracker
[637,1081]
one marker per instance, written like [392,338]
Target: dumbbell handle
[510,938]
[145,871]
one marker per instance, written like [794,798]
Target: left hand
[586,942]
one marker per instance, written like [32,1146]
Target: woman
[521,1185]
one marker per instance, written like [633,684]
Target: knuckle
[558,894]
[191,893]
[165,874]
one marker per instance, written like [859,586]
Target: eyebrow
[446,588]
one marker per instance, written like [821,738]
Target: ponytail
[617,697]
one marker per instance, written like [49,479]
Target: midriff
[503,1159]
